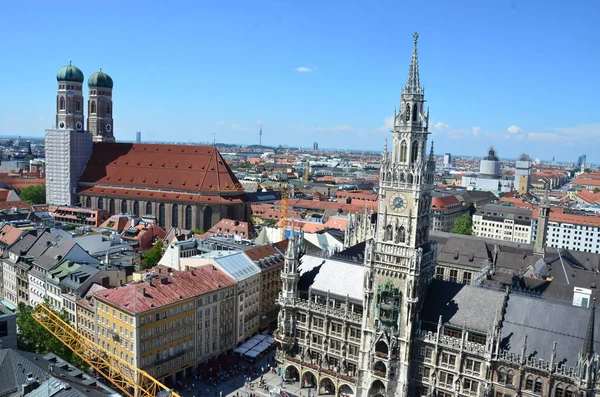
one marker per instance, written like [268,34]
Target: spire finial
[588,344]
[70,62]
[413,84]
[100,68]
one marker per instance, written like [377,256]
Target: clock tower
[399,259]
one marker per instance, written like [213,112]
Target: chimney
[187,268]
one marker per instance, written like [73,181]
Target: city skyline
[322,74]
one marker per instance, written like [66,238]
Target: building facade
[502,222]
[445,210]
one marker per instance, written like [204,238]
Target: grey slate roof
[462,305]
[53,253]
[544,322]
[14,370]
[23,245]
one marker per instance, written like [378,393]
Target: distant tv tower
[214,139]
[260,135]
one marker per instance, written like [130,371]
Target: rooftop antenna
[260,135]
[214,139]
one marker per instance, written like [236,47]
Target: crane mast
[131,380]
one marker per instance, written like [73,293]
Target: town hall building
[377,320]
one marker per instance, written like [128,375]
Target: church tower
[399,260]
[69,99]
[100,107]
[542,225]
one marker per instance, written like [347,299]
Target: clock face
[398,202]
[79,125]
[61,125]
[108,127]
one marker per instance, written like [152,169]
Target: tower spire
[588,344]
[413,83]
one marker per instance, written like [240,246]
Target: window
[61,105]
[470,385]
[466,278]
[448,360]
[560,391]
[453,275]
[529,383]
[446,379]
[93,107]
[78,106]
[439,273]
[472,367]
[537,389]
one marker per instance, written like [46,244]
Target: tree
[151,257]
[463,225]
[596,190]
[34,194]
[198,231]
[33,337]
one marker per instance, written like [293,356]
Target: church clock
[398,202]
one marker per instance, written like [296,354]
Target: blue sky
[521,75]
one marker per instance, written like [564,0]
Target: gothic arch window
[188,217]
[77,106]
[61,105]
[401,234]
[403,149]
[207,221]
[136,208]
[100,203]
[175,216]
[407,112]
[107,109]
[402,177]
[123,206]
[560,391]
[409,178]
[529,383]
[161,214]
[88,202]
[415,113]
[230,213]
[570,392]
[537,387]
[148,208]
[111,206]
[93,107]
[389,230]
[414,152]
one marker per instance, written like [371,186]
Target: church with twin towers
[381,319]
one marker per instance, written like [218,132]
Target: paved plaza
[236,386]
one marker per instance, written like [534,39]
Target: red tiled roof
[517,202]
[190,169]
[230,226]
[168,287]
[445,202]
[336,223]
[261,252]
[8,235]
[558,215]
[160,195]
[7,205]
[589,197]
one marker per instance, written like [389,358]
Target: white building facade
[503,223]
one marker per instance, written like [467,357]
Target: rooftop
[164,286]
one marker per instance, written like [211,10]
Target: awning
[241,350]
[252,353]
[8,305]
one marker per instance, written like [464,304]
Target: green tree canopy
[151,257]
[463,225]
[33,337]
[34,194]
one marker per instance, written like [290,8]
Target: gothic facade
[388,327]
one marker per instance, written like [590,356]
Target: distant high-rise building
[138,136]
[522,173]
[315,146]
[447,159]
[581,160]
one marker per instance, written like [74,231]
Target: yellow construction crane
[288,192]
[127,377]
[307,170]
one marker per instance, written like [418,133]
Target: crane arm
[125,376]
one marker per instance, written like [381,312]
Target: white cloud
[342,127]
[303,69]
[235,126]
[513,129]
[388,124]
[220,123]
[440,125]
[476,130]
